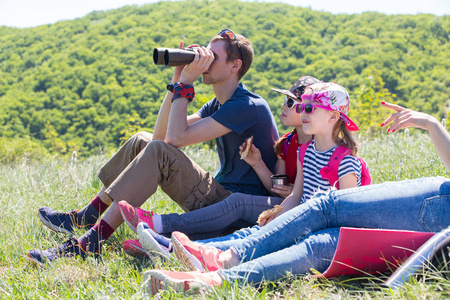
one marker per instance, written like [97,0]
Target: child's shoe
[150,243]
[134,215]
[155,280]
[194,256]
[134,248]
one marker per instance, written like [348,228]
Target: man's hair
[232,51]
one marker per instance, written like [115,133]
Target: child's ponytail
[343,136]
[278,147]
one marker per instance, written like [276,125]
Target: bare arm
[160,129]
[348,181]
[278,189]
[162,121]
[183,130]
[254,159]
[404,117]
[192,130]
[294,198]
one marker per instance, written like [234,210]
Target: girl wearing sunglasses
[323,113]
[286,147]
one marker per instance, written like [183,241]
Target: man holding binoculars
[148,160]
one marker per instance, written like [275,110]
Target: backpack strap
[286,143]
[302,151]
[366,179]
[333,165]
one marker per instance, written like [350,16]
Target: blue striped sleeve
[350,164]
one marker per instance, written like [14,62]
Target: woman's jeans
[419,205]
[236,211]
[315,251]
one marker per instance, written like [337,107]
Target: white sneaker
[150,244]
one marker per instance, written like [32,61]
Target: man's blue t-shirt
[245,114]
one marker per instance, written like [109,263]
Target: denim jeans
[315,251]
[225,242]
[236,211]
[420,205]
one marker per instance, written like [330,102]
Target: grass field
[63,185]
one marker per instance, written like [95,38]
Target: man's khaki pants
[135,171]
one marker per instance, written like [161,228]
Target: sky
[31,13]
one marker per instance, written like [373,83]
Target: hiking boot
[194,256]
[64,222]
[149,240]
[134,248]
[70,248]
[155,280]
[133,215]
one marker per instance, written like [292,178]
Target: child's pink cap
[334,96]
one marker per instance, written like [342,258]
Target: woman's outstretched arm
[404,117]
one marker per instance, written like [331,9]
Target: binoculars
[173,57]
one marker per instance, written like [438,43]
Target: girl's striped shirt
[315,160]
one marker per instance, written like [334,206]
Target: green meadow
[65,184]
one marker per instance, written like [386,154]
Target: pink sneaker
[134,248]
[155,280]
[133,215]
[194,256]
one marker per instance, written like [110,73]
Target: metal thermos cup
[280,180]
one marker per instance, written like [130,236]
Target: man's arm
[182,131]
[160,129]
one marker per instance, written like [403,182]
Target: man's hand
[201,63]
[179,69]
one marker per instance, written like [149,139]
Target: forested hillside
[85,84]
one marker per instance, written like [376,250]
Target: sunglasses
[300,107]
[229,35]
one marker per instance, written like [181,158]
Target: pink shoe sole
[156,280]
[185,257]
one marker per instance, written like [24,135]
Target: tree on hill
[367,111]
[89,78]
